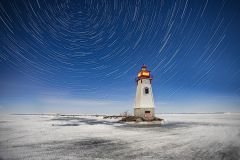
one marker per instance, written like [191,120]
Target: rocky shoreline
[134,119]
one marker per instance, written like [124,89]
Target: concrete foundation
[146,113]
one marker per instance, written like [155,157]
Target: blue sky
[83,56]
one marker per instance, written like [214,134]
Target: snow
[183,136]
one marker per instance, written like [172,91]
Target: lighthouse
[144,103]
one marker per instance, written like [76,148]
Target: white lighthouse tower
[144,103]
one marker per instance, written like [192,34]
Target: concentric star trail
[87,47]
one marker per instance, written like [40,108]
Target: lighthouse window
[146,90]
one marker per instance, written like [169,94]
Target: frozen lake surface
[183,136]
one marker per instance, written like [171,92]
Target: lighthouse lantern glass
[145,73]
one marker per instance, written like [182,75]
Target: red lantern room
[144,73]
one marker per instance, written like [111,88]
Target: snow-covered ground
[183,136]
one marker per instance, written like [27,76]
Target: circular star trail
[88,46]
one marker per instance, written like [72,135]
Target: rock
[129,119]
[157,119]
[139,119]
[105,117]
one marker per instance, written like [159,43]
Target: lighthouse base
[145,113]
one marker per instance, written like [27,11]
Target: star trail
[92,50]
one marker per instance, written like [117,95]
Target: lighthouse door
[148,115]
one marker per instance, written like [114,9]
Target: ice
[183,136]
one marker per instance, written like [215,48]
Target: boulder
[139,119]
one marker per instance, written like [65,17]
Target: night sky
[83,56]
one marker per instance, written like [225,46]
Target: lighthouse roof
[144,66]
